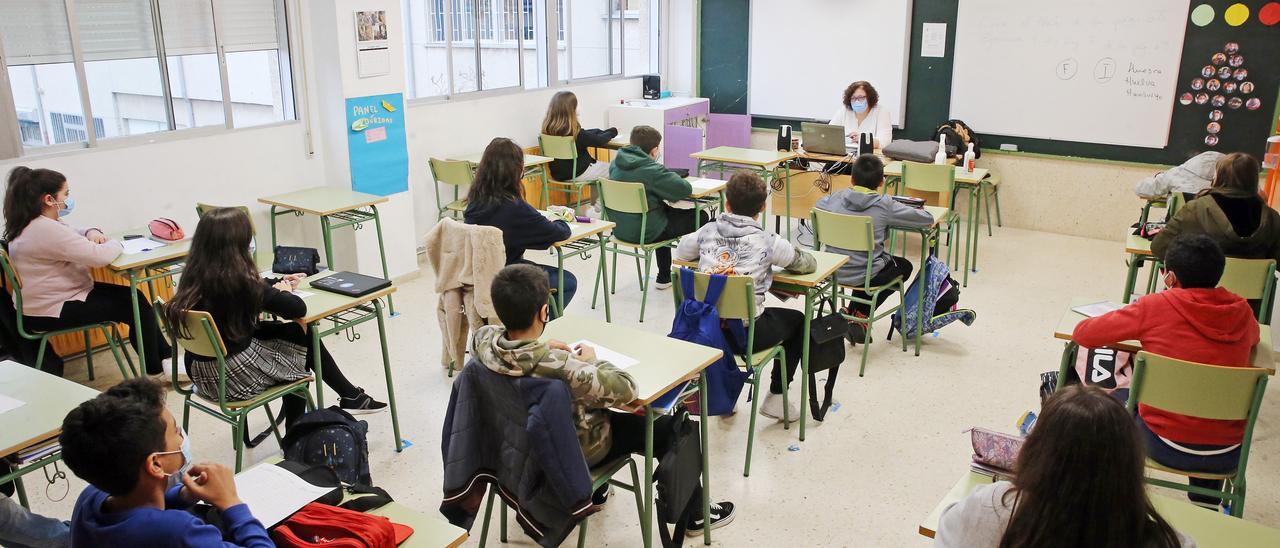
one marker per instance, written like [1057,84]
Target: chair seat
[573,183]
[1202,475]
[458,205]
[992,179]
[267,395]
[756,358]
[605,471]
[652,245]
[859,288]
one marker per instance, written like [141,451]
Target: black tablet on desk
[350,284]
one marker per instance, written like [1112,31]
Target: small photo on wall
[371,29]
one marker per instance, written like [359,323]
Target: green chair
[563,148]
[942,180]
[738,302]
[1253,279]
[856,233]
[457,174]
[108,329]
[202,337]
[630,198]
[1202,391]
[600,475]
[263,258]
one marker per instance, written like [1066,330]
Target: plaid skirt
[265,363]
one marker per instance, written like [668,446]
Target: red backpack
[332,527]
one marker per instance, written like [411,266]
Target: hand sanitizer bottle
[941,156]
[969,159]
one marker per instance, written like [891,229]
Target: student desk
[533,164]
[1139,250]
[344,207]
[940,215]
[1262,355]
[769,164]
[968,181]
[703,189]
[665,363]
[147,267]
[344,313]
[1208,528]
[48,399]
[583,237]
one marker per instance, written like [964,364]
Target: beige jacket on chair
[465,259]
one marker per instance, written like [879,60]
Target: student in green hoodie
[639,163]
[513,349]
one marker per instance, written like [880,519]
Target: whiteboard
[803,53]
[1092,71]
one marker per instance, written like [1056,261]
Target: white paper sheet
[622,361]
[933,40]
[274,493]
[9,404]
[140,245]
[302,294]
[1097,309]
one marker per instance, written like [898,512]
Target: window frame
[289,61]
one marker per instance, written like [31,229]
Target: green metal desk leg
[706,462]
[924,263]
[382,253]
[560,279]
[325,232]
[273,227]
[804,362]
[22,492]
[316,366]
[604,275]
[136,332]
[1135,263]
[546,196]
[386,369]
[646,528]
[786,189]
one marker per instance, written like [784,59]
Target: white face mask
[176,477]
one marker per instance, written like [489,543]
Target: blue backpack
[937,282]
[698,322]
[331,438]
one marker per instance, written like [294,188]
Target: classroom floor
[866,477]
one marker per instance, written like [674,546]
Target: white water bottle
[941,156]
[969,159]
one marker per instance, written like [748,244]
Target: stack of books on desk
[37,452]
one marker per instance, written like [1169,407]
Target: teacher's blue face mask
[859,106]
[67,206]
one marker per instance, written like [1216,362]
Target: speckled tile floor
[866,477]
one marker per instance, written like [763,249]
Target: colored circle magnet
[1202,98]
[1235,103]
[1229,87]
[1213,84]
[1213,128]
[1185,98]
[1211,140]
[1218,58]
[1240,74]
[1253,104]
[1246,88]
[1231,47]
[1224,72]
[1236,60]
[1218,101]
[1208,71]
[1215,115]
[1197,84]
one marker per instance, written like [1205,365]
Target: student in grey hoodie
[1192,176]
[735,244]
[864,199]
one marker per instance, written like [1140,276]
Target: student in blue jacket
[137,460]
[497,199]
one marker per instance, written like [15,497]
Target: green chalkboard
[723,78]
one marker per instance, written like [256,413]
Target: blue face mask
[859,106]
[176,477]
[67,206]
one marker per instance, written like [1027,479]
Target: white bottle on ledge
[969,157]
[941,156]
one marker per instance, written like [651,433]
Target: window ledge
[513,90]
[61,150]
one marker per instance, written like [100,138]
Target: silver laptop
[823,138]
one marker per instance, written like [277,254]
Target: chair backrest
[852,232]
[11,275]
[202,336]
[1195,389]
[930,178]
[1175,202]
[558,147]
[1249,278]
[451,172]
[737,301]
[202,208]
[623,197]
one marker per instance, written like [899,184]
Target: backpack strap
[686,283]
[714,289]
[377,497]
[819,411]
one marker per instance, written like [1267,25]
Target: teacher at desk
[861,113]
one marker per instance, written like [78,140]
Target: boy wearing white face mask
[137,460]
[861,112]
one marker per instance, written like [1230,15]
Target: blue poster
[376,144]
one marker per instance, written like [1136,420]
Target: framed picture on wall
[373,55]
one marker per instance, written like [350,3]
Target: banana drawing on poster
[376,144]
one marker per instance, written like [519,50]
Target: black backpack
[959,135]
[334,439]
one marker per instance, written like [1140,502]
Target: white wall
[458,127]
[680,37]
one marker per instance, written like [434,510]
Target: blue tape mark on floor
[937,334]
[395,314]
[406,443]
[835,407]
[793,448]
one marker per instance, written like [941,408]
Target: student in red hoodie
[1193,320]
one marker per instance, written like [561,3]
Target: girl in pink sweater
[54,258]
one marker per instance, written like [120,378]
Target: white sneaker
[166,372]
[772,407]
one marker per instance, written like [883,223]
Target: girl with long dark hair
[220,278]
[496,199]
[54,258]
[1078,482]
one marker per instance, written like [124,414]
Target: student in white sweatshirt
[1078,482]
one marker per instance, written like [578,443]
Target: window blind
[188,27]
[115,29]
[247,25]
[34,32]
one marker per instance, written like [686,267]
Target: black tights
[108,303]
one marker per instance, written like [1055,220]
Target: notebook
[350,284]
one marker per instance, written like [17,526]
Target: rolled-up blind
[115,29]
[247,25]
[188,27]
[34,32]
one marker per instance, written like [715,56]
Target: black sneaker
[602,494]
[662,282]
[721,515]
[362,404]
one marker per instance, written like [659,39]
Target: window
[499,44]
[144,66]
